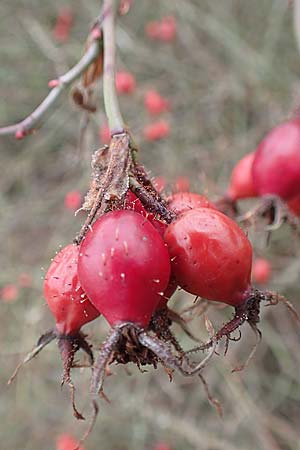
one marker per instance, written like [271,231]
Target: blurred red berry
[157,130]
[168,28]
[162,446]
[73,200]
[163,30]
[182,184]
[9,293]
[67,442]
[62,27]
[261,271]
[159,183]
[152,29]
[104,134]
[25,280]
[125,83]
[155,103]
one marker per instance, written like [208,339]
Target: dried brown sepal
[113,185]
[94,70]
[81,98]
[99,167]
[44,340]
[215,402]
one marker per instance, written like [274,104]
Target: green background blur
[232,73]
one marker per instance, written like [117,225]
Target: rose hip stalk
[212,258]
[124,267]
[71,309]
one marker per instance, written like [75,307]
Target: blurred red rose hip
[125,83]
[261,271]
[157,130]
[73,200]
[154,103]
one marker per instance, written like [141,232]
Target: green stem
[111,103]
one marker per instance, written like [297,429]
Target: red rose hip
[124,267]
[211,256]
[64,295]
[276,166]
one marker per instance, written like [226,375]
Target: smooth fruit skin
[241,181]
[211,256]
[64,295]
[124,267]
[276,166]
[261,271]
[185,201]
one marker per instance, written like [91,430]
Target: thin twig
[111,103]
[24,127]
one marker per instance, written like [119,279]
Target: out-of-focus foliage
[231,74]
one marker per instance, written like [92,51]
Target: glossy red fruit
[125,83]
[261,271]
[64,295]
[241,180]
[155,103]
[157,130]
[276,166]
[67,442]
[124,267]
[104,134]
[294,205]
[133,203]
[185,201]
[211,256]
[73,200]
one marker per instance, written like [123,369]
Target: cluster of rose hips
[127,267]
[129,262]
[271,172]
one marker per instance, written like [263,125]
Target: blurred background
[230,72]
